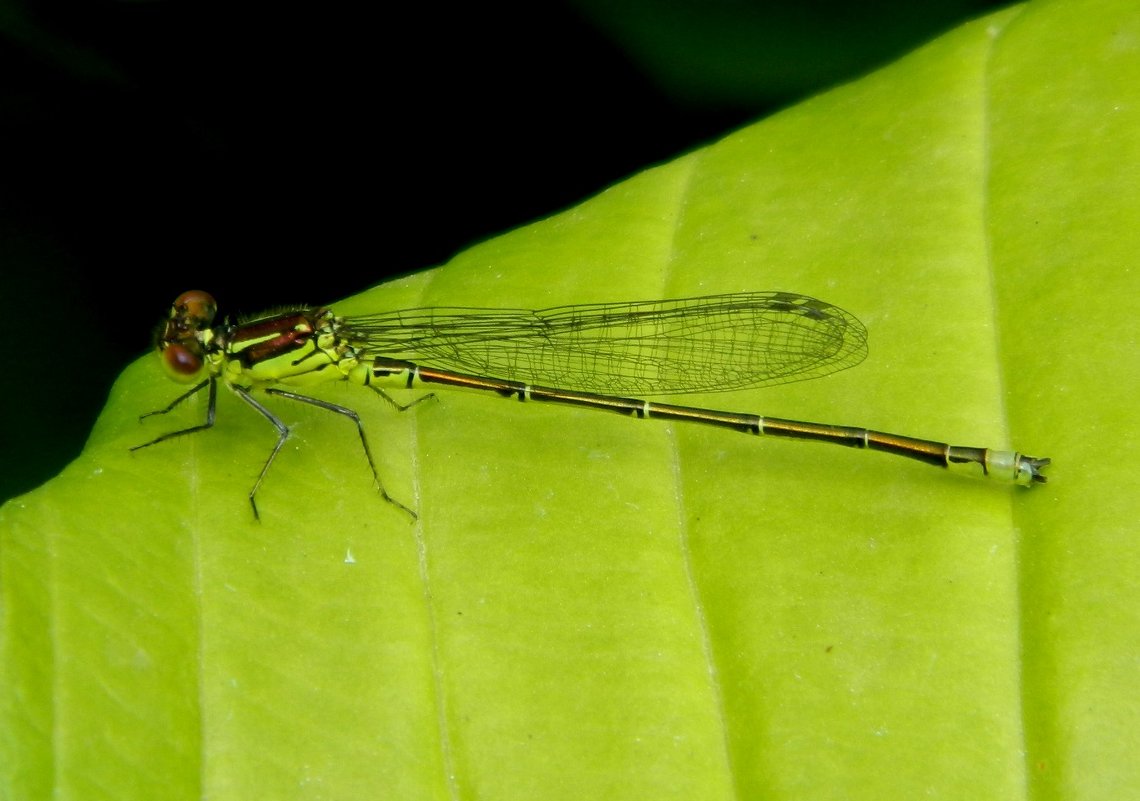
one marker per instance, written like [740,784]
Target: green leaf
[726,51]
[594,607]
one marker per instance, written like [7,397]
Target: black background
[293,154]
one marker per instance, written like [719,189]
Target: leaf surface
[594,607]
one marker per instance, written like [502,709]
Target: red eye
[196,306]
[181,363]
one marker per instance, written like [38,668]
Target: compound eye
[196,306]
[181,363]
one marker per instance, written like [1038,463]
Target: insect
[590,356]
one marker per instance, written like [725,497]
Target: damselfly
[589,356]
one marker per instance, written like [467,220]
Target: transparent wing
[706,344]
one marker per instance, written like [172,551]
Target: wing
[705,344]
